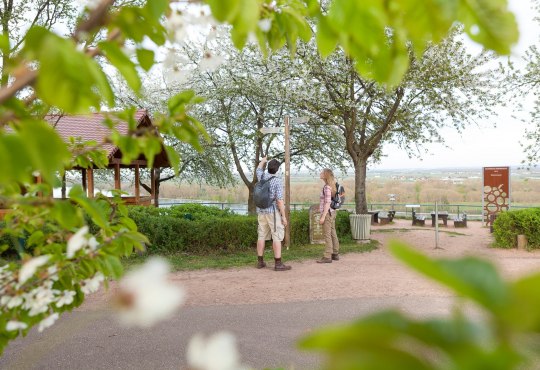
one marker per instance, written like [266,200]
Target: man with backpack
[271,215]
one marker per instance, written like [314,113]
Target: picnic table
[442,216]
[374,216]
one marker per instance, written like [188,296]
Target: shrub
[190,211]
[172,233]
[508,225]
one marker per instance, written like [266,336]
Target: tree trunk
[252,209]
[360,172]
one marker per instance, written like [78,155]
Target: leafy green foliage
[193,228]
[376,34]
[508,225]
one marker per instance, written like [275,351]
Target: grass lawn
[224,260]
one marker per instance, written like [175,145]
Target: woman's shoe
[324,260]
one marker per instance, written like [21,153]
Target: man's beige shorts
[266,231]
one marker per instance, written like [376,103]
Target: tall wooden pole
[287,184]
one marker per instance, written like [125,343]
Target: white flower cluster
[37,300]
[217,352]
[181,23]
[146,297]
[79,241]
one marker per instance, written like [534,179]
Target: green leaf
[145,58]
[475,279]
[326,39]
[124,65]
[66,214]
[67,78]
[157,8]
[115,266]
[39,138]
[224,11]
[174,158]
[245,22]
[177,103]
[94,209]
[490,23]
[525,300]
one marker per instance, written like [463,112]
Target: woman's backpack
[339,198]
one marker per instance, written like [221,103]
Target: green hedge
[195,229]
[172,233]
[509,225]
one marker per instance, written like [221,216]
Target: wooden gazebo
[90,127]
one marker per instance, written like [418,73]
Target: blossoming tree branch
[67,248]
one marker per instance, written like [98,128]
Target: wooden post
[153,184]
[64,186]
[287,184]
[117,184]
[38,180]
[137,180]
[521,242]
[90,178]
[84,183]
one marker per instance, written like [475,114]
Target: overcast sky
[478,146]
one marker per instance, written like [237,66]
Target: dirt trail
[374,274]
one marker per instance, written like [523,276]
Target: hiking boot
[324,260]
[335,257]
[279,266]
[260,263]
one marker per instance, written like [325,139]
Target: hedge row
[509,225]
[193,229]
[177,232]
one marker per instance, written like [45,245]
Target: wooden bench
[386,217]
[460,221]
[418,220]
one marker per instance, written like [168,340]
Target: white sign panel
[272,130]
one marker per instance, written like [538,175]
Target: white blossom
[176,25]
[210,62]
[93,243]
[92,285]
[265,24]
[52,271]
[38,300]
[146,296]
[218,352]
[47,322]
[15,325]
[29,268]
[66,299]
[77,241]
[11,302]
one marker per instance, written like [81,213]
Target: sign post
[285,130]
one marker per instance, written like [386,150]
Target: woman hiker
[328,217]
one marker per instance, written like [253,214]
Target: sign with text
[272,130]
[316,234]
[496,197]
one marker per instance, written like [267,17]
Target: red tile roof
[90,127]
